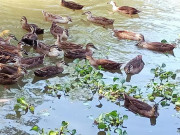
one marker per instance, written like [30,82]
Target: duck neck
[89,16]
[114,7]
[59,39]
[92,61]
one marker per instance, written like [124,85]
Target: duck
[29,62]
[122,34]
[140,107]
[135,65]
[104,63]
[124,9]
[27,26]
[98,19]
[50,71]
[31,37]
[51,51]
[8,40]
[8,52]
[67,45]
[56,18]
[71,5]
[79,53]
[10,74]
[57,30]
[157,46]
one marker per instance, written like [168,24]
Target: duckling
[135,65]
[27,26]
[124,9]
[71,5]
[98,19]
[31,37]
[8,40]
[56,18]
[57,30]
[79,53]
[66,45]
[104,63]
[50,70]
[140,107]
[156,46]
[122,34]
[51,51]
[29,62]
[10,74]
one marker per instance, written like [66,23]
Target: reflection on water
[158,20]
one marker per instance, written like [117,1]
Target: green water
[158,20]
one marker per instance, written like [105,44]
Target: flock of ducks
[10,74]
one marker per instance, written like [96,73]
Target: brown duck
[50,70]
[124,9]
[27,26]
[7,40]
[157,46]
[79,53]
[122,34]
[135,65]
[10,74]
[98,19]
[67,45]
[71,5]
[31,37]
[29,62]
[57,30]
[51,51]
[104,63]
[140,107]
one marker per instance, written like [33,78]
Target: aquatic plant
[23,106]
[63,130]
[112,120]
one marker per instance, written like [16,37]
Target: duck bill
[15,39]
[95,48]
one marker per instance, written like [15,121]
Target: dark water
[158,20]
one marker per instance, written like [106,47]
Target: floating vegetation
[23,106]
[112,120]
[63,130]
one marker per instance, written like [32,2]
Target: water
[158,20]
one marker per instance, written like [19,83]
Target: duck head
[23,19]
[11,36]
[69,18]
[87,13]
[90,45]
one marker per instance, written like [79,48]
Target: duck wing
[108,64]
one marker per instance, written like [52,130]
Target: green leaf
[31,108]
[124,132]
[73,132]
[101,126]
[64,123]
[163,41]
[163,65]
[115,79]
[119,131]
[114,113]
[125,117]
[35,128]
[52,133]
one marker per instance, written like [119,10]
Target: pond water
[158,20]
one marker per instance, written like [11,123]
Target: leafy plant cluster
[163,86]
[23,106]
[63,130]
[107,121]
